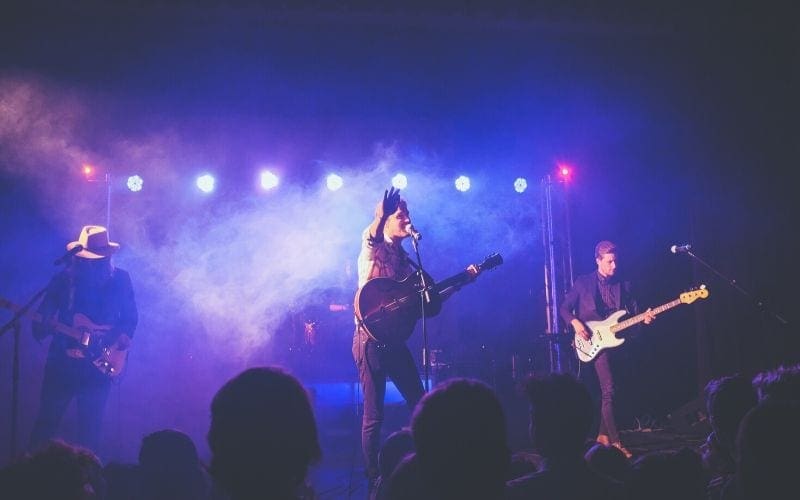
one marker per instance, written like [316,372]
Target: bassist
[93,287]
[593,297]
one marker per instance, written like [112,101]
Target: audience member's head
[263,435]
[609,461]
[768,446]
[781,383]
[561,415]
[58,470]
[728,399]
[397,446]
[668,475]
[170,468]
[405,482]
[394,449]
[459,433]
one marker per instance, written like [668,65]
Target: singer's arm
[376,228]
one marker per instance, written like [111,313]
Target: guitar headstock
[491,262]
[692,295]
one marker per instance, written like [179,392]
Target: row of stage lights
[206,183]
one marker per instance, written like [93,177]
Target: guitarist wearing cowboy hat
[93,297]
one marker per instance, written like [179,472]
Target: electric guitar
[388,309]
[108,358]
[603,333]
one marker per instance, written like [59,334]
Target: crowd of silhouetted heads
[264,439]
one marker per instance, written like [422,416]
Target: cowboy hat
[95,243]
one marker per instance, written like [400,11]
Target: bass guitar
[388,309]
[603,333]
[108,357]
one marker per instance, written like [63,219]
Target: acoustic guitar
[388,309]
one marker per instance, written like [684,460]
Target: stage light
[135,183]
[268,180]
[206,183]
[334,182]
[88,170]
[520,185]
[399,181]
[462,183]
[565,172]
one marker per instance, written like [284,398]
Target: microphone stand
[735,285]
[425,298]
[14,323]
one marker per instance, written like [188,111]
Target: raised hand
[391,200]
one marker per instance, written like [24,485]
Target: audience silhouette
[57,470]
[768,443]
[781,383]
[459,433]
[561,418]
[263,435]
[394,450]
[263,438]
[727,399]
[667,475]
[170,469]
[609,461]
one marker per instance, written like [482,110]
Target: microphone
[66,256]
[680,248]
[413,232]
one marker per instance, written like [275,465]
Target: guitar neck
[640,317]
[55,325]
[461,278]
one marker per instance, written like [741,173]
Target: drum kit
[316,335]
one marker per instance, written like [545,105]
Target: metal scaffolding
[558,275]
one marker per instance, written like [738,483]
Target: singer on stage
[382,255]
[593,297]
[90,287]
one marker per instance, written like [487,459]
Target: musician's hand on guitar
[473,270]
[581,330]
[649,316]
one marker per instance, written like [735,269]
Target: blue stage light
[206,183]
[399,181]
[268,180]
[520,185]
[462,183]
[334,182]
[135,183]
